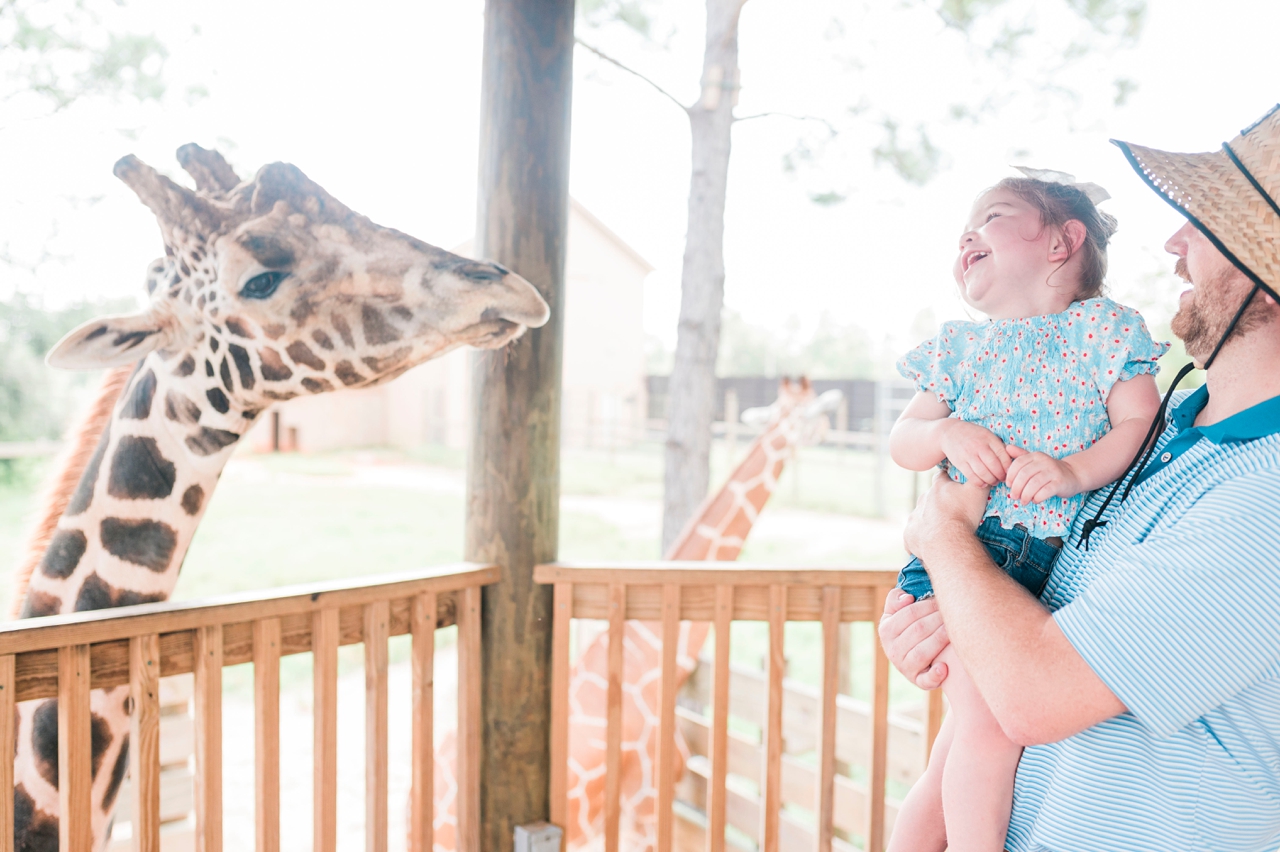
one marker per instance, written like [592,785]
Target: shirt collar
[1255,422]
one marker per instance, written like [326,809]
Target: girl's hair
[1058,204]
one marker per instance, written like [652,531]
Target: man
[1145,682]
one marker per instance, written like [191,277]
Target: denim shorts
[1018,553]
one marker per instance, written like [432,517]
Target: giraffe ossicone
[269,288]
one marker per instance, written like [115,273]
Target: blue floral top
[1038,382]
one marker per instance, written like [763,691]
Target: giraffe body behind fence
[269,289]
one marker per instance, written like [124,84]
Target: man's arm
[1037,685]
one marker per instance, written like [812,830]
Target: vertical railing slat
[75,747]
[613,715]
[773,720]
[469,719]
[266,726]
[562,617]
[667,715]
[377,626]
[208,701]
[826,793]
[144,740]
[422,792]
[324,652]
[879,743]
[719,721]
[7,733]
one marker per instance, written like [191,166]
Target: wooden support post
[324,649]
[514,465]
[266,726]
[144,740]
[8,686]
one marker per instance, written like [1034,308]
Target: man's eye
[261,286]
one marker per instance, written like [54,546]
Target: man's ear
[111,341]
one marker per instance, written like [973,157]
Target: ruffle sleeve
[1119,344]
[935,365]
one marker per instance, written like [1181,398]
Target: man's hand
[975,450]
[1035,477]
[945,508]
[913,636]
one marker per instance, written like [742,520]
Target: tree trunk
[693,377]
[513,469]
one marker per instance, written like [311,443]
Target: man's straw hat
[1232,195]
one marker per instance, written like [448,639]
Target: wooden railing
[65,657]
[671,592]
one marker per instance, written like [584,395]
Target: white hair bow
[1091,191]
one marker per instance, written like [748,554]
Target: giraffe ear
[111,341]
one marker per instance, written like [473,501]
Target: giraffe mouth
[496,333]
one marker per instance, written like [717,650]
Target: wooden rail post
[514,465]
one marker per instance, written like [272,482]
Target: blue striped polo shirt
[1176,607]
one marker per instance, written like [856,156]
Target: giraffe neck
[719,529]
[127,526]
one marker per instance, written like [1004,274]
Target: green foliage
[36,401]
[64,50]
[962,14]
[633,13]
[915,162]
[831,351]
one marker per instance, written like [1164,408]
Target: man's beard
[1201,322]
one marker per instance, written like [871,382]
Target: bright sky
[378,102]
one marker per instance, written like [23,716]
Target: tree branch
[830,127]
[607,58]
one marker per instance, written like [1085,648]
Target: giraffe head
[271,288]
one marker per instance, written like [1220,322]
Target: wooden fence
[766,813]
[65,657]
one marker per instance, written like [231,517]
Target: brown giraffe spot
[33,829]
[138,405]
[273,366]
[89,479]
[208,441]
[323,339]
[380,365]
[39,604]
[377,330]
[218,400]
[192,499]
[97,593]
[224,371]
[139,471]
[347,373]
[300,354]
[213,344]
[139,541]
[117,776]
[317,385]
[63,554]
[280,396]
[344,330]
[201,300]
[402,312]
[179,409]
[239,328]
[208,368]
[267,249]
[186,367]
[274,331]
[243,366]
[182,266]
[44,740]
[303,310]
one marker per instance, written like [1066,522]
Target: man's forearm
[1037,685]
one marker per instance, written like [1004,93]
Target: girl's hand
[1035,477]
[976,451]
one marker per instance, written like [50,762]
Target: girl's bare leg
[977,778]
[919,827]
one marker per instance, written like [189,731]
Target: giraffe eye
[261,286]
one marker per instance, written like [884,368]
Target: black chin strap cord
[1157,428]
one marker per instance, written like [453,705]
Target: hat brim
[1221,202]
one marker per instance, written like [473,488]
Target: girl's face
[1006,258]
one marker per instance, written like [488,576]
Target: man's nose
[1177,244]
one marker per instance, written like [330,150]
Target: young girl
[1046,400]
